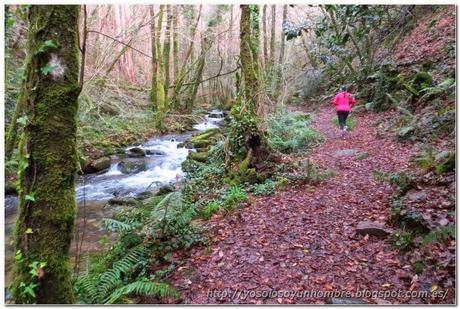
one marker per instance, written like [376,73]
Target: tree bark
[279,75]
[167,49]
[161,103]
[272,38]
[264,29]
[248,55]
[48,163]
[176,42]
[153,89]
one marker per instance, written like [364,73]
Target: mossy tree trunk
[264,29]
[160,90]
[48,164]
[193,90]
[167,49]
[176,43]
[153,90]
[249,66]
[179,80]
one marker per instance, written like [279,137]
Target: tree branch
[215,76]
[123,43]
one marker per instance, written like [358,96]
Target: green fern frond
[440,234]
[142,287]
[117,226]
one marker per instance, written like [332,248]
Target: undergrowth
[291,132]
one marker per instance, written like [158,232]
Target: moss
[447,165]
[198,156]
[49,146]
[422,80]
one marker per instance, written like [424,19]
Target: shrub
[266,188]
[147,236]
[233,197]
[289,132]
[212,207]
[402,240]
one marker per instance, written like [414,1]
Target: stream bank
[126,177]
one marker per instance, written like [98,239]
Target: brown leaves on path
[301,240]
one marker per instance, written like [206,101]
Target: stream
[161,165]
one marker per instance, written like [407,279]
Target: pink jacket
[343,101]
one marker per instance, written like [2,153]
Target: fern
[118,226]
[141,287]
[98,287]
[440,234]
[440,89]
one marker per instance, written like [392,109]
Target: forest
[229,154]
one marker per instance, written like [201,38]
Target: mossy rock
[101,164]
[129,201]
[205,139]
[447,165]
[135,152]
[132,167]
[165,189]
[405,132]
[407,218]
[422,80]
[198,156]
[190,166]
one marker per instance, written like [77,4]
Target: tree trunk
[279,75]
[248,55]
[183,72]
[176,43]
[161,103]
[48,164]
[272,38]
[198,74]
[167,49]
[153,90]
[264,29]
[12,134]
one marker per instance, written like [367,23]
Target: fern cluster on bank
[291,132]
[146,237]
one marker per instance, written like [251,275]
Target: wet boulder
[128,201]
[100,164]
[155,152]
[132,167]
[135,152]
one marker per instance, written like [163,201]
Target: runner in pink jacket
[343,102]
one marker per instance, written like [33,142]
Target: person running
[343,102]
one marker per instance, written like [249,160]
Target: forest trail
[302,238]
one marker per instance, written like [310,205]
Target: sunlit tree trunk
[167,49]
[272,37]
[265,34]
[153,90]
[48,163]
[176,43]
[161,103]
[279,74]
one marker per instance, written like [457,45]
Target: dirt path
[301,239]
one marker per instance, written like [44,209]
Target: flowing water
[161,165]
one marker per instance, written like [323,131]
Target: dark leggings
[342,115]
